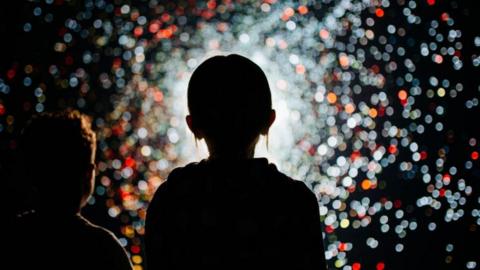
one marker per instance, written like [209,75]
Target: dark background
[423,249]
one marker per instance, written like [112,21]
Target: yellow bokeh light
[441,92]
[136,259]
[344,223]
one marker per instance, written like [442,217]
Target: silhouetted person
[58,152]
[232,211]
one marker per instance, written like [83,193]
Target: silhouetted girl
[232,211]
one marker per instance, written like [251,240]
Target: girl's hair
[229,100]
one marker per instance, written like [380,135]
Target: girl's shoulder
[256,172]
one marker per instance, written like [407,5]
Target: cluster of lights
[345,83]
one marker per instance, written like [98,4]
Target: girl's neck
[231,152]
[231,155]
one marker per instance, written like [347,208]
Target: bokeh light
[377,107]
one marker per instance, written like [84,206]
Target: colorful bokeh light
[374,102]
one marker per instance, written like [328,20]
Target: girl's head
[230,105]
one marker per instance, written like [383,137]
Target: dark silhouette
[58,154]
[232,211]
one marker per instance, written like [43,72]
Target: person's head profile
[58,152]
[230,105]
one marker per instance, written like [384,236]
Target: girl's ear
[195,130]
[271,119]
